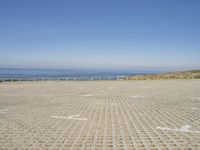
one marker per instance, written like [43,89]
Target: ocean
[66,74]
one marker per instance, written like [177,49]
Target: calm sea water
[70,74]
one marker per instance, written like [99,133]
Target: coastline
[195,74]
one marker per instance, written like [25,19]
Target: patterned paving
[100,115]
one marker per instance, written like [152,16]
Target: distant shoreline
[193,74]
[66,74]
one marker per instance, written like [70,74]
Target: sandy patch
[196,98]
[4,111]
[86,95]
[137,96]
[73,117]
[184,128]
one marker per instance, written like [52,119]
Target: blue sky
[105,34]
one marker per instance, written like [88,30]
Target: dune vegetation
[193,74]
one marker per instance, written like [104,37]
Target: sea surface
[67,74]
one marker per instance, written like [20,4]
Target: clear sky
[122,34]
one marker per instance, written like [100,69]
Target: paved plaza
[100,115]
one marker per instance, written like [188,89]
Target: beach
[100,115]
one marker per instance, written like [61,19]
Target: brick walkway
[100,115]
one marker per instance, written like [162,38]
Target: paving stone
[100,115]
